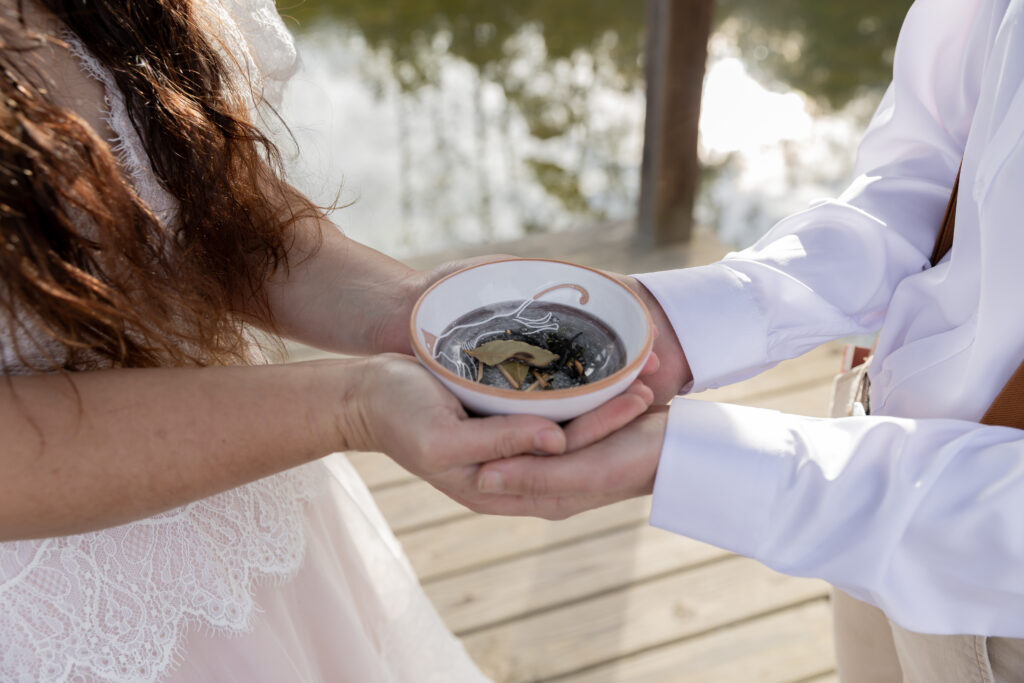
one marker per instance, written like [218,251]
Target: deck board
[783,647]
[638,617]
[415,504]
[480,540]
[568,573]
[603,597]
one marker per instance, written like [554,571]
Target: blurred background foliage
[829,50]
[542,129]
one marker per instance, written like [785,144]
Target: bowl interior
[522,280]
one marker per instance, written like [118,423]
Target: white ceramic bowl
[519,280]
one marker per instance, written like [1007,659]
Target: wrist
[333,390]
[355,420]
[392,333]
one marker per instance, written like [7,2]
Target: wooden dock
[603,597]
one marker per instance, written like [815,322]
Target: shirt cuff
[721,466]
[719,325]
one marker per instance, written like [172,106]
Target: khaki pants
[872,649]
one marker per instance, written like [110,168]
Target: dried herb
[515,372]
[499,351]
[573,351]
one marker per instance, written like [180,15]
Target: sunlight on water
[773,153]
[454,161]
[483,153]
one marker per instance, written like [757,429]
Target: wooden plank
[779,648]
[486,596]
[480,540]
[636,618]
[416,504]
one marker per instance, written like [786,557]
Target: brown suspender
[1007,409]
[945,240]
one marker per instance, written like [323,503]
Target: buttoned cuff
[719,325]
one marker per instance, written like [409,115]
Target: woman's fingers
[476,440]
[652,365]
[609,417]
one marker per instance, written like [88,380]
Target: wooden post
[675,59]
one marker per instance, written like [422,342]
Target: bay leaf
[517,371]
[498,351]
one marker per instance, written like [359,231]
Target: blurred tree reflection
[832,51]
[478,30]
[829,50]
[551,58]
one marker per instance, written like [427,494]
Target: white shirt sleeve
[830,271]
[921,518]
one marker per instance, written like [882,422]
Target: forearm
[89,450]
[341,295]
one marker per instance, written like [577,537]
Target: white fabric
[918,509]
[355,611]
[224,589]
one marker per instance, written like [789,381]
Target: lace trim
[255,40]
[126,144]
[113,605]
[261,58]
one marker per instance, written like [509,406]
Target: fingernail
[491,482]
[549,441]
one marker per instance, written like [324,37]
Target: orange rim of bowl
[514,394]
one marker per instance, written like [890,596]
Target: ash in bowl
[530,346]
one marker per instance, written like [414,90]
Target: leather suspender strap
[945,240]
[1007,410]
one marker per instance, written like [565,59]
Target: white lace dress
[292,578]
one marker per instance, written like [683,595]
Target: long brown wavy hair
[81,257]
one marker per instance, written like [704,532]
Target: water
[587,349]
[457,121]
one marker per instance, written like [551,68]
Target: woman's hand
[393,328]
[400,409]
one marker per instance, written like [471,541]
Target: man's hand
[621,466]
